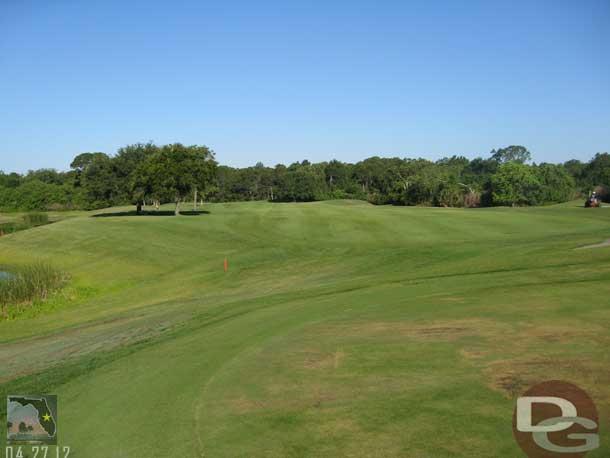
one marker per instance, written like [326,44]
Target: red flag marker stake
[226,265]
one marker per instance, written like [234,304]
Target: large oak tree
[175,171]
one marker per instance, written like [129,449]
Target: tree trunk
[195,201]
[139,208]
[177,212]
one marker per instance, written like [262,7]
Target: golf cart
[593,201]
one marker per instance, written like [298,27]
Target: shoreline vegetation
[24,286]
[147,175]
[27,221]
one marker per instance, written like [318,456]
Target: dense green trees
[555,183]
[145,173]
[301,184]
[591,176]
[38,190]
[505,178]
[99,181]
[35,195]
[514,184]
[174,172]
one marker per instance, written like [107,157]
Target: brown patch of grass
[514,376]
[514,359]
[438,330]
[510,383]
[316,360]
[319,360]
[564,332]
[473,354]
[339,356]
[309,396]
[244,405]
[338,426]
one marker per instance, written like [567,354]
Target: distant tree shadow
[151,213]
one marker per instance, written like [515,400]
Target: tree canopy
[145,173]
[513,153]
[173,172]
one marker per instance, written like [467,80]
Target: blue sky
[280,81]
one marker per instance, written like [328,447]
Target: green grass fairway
[341,330]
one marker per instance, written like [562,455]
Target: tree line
[148,174]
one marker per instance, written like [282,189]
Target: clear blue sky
[280,81]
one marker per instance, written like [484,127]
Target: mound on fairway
[340,329]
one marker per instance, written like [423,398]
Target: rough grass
[341,329]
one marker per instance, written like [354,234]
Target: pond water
[5,275]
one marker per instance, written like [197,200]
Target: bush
[27,284]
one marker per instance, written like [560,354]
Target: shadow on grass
[151,213]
